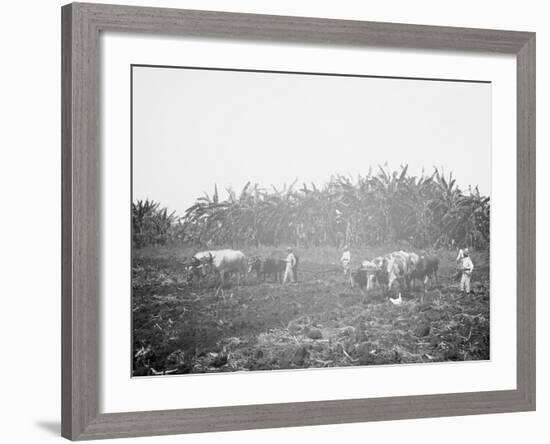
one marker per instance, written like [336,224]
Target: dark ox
[361,278]
[426,268]
[270,266]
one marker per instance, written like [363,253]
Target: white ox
[385,270]
[225,261]
[399,266]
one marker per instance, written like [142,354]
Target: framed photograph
[276,221]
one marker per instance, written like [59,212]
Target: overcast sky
[195,128]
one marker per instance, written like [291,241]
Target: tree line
[377,208]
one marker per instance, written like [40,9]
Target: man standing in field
[295,269]
[290,264]
[345,260]
[467,267]
[458,275]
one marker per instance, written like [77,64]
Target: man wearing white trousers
[290,264]
[467,267]
[345,260]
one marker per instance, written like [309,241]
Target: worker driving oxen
[291,265]
[466,267]
[345,260]
[396,271]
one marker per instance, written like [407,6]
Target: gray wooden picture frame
[81,174]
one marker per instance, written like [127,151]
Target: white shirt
[346,257]
[291,260]
[467,264]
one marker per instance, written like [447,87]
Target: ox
[204,260]
[396,267]
[270,266]
[225,261]
[360,277]
[426,268]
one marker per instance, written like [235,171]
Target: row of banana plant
[151,225]
[376,208]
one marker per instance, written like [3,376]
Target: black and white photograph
[275,222]
[289,220]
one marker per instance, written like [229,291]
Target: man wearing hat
[290,264]
[467,267]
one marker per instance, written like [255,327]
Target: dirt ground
[318,322]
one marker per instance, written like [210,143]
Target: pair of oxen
[400,267]
[224,262]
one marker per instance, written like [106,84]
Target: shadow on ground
[53,427]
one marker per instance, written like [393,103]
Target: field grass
[318,322]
